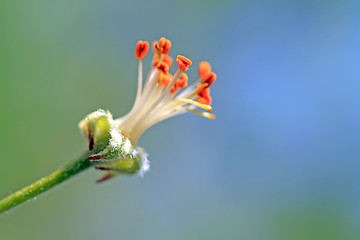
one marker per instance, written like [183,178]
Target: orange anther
[204,96]
[204,69]
[209,79]
[165,58]
[173,89]
[183,81]
[141,49]
[155,46]
[164,80]
[205,100]
[155,60]
[163,67]
[180,83]
[164,45]
[204,92]
[183,62]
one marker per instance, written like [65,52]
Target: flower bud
[96,127]
[120,156]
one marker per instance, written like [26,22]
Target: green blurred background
[279,162]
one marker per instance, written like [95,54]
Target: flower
[161,96]
[164,95]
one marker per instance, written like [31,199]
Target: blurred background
[281,161]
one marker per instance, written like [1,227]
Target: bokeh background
[281,161]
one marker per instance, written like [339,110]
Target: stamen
[200,105]
[163,67]
[204,114]
[204,96]
[180,83]
[165,58]
[183,63]
[205,100]
[164,80]
[191,92]
[209,79]
[164,45]
[204,92]
[204,69]
[183,80]
[141,49]
[140,82]
[155,46]
[160,97]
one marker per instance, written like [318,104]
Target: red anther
[164,80]
[141,49]
[164,45]
[204,69]
[165,58]
[163,67]
[183,62]
[209,79]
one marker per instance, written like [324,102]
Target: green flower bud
[121,156]
[96,127]
[114,152]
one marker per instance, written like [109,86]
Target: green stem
[46,183]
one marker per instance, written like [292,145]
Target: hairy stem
[44,184]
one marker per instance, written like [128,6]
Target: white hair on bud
[127,146]
[117,138]
[145,163]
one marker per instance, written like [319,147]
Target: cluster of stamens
[164,95]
